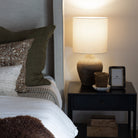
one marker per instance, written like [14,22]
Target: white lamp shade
[90,34]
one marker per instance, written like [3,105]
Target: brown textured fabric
[13,53]
[5,55]
[20,82]
[23,127]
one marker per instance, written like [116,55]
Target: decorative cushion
[13,53]
[36,54]
[20,82]
[5,55]
[8,77]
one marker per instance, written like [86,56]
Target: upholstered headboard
[58,44]
[19,15]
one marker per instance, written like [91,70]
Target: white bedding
[8,77]
[50,114]
[49,92]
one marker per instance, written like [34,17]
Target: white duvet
[52,117]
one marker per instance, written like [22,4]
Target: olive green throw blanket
[36,54]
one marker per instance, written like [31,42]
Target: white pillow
[8,77]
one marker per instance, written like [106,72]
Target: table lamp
[89,37]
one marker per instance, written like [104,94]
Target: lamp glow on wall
[89,37]
[90,4]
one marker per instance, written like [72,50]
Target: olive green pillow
[37,53]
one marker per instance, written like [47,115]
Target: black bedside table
[87,99]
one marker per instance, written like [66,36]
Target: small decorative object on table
[101,81]
[102,126]
[117,77]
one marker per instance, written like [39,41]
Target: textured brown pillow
[14,53]
[5,55]
[20,82]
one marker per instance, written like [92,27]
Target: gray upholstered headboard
[19,15]
[58,44]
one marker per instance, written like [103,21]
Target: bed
[40,102]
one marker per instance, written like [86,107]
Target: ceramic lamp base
[86,68]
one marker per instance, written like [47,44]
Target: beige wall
[122,39]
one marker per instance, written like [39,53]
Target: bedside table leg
[129,123]
[69,113]
[134,123]
[69,108]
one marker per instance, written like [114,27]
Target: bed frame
[58,44]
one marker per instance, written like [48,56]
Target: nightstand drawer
[95,102]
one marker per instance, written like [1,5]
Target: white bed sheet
[52,117]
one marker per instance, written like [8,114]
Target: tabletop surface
[76,88]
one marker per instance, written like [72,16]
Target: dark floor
[137,134]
